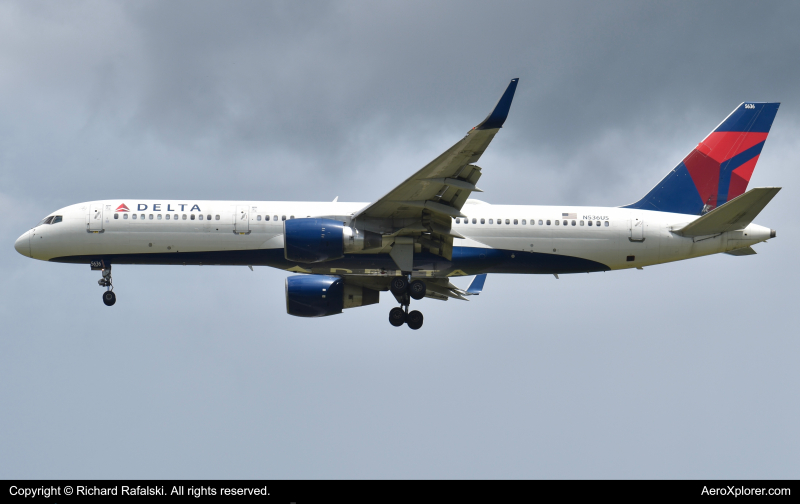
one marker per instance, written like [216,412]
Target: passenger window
[159,216]
[474,221]
[291,216]
[491,221]
[151,216]
[208,217]
[556,223]
[458,221]
[515,222]
[509,222]
[116,216]
[573,223]
[548,222]
[166,216]
[274,217]
[191,216]
[606,223]
[590,223]
[499,221]
[283,217]
[133,216]
[200,217]
[483,221]
[184,216]
[216,217]
[124,216]
[523,222]
[540,222]
[581,223]
[258,218]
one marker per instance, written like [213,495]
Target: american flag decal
[569,216]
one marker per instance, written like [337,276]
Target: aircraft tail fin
[719,168]
[735,214]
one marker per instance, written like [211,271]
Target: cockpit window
[46,220]
[56,219]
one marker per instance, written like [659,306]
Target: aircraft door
[636,229]
[241,220]
[94,218]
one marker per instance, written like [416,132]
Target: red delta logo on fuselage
[141,207]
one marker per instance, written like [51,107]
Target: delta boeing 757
[412,241]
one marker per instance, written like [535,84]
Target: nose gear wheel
[109,298]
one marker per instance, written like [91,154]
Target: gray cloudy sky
[685,370]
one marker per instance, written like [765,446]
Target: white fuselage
[208,232]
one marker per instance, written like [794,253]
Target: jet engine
[323,295]
[318,240]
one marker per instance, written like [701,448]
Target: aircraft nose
[23,244]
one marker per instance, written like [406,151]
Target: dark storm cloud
[335,87]
[264,72]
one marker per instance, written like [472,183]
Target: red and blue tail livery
[719,168]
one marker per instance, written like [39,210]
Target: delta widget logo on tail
[719,168]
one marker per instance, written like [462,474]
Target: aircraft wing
[426,202]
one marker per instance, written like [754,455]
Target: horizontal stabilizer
[741,251]
[476,286]
[738,213]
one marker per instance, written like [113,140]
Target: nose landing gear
[109,298]
[404,291]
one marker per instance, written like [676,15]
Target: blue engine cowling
[313,240]
[323,295]
[314,295]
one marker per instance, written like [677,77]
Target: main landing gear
[404,291]
[109,298]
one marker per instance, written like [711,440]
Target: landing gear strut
[404,291]
[109,298]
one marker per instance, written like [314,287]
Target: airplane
[427,230]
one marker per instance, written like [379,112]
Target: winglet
[500,112]
[476,286]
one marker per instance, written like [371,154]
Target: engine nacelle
[323,295]
[318,240]
[313,240]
